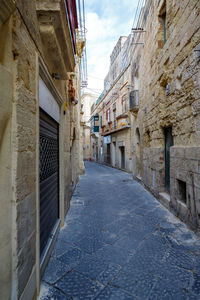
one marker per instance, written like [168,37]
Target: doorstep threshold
[164,199]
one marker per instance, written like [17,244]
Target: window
[101,121]
[107,85]
[124,60]
[124,104]
[108,115]
[114,71]
[182,190]
[114,117]
[163,22]
[163,17]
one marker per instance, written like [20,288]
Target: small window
[163,17]
[101,121]
[163,22]
[107,85]
[115,121]
[124,104]
[124,60]
[182,190]
[108,115]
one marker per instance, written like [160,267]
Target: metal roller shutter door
[49,177]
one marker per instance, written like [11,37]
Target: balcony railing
[72,15]
[134,100]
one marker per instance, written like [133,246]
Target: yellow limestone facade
[113,143]
[34,74]
[165,69]
[88,100]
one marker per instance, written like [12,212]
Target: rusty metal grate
[48,156]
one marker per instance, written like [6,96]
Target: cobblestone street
[118,242]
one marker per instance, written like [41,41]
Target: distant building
[113,143]
[149,116]
[88,100]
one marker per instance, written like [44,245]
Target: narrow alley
[118,242]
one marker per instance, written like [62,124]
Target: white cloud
[106,21]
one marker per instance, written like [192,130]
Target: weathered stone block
[192,153]
[180,163]
[177,152]
[26,100]
[197,180]
[196,107]
[191,165]
[197,194]
[25,186]
[180,174]
[26,262]
[26,164]
[184,112]
[25,229]
[26,207]
[25,117]
[5,98]
[191,198]
[197,122]
[172,172]
[26,138]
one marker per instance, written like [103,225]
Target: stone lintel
[55,32]
[6,9]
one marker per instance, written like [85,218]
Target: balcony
[57,23]
[134,101]
[119,124]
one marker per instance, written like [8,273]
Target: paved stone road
[120,243]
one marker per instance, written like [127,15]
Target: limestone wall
[25,116]
[122,137]
[185,182]
[86,143]
[6,78]
[21,58]
[169,97]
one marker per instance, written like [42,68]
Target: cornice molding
[6,9]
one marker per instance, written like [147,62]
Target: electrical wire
[137,20]
[134,20]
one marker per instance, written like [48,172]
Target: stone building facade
[112,143]
[40,138]
[88,100]
[165,68]
[160,129]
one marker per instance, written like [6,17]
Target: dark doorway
[137,153]
[97,156]
[49,177]
[122,149]
[168,143]
[108,154]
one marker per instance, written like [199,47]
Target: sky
[106,21]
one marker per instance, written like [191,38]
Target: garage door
[49,177]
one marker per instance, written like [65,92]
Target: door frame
[123,156]
[167,131]
[43,74]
